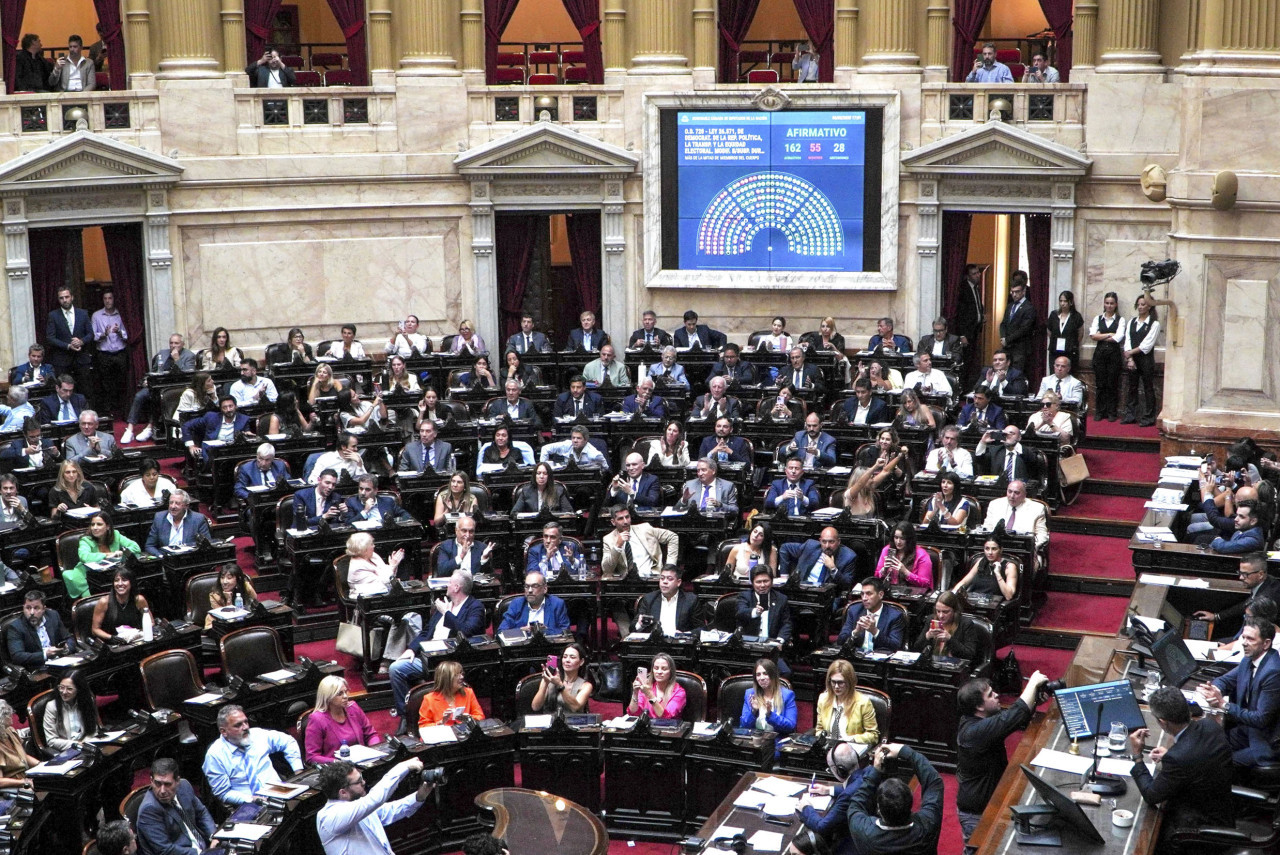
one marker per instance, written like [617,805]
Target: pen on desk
[813,779]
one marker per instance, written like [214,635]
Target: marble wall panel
[1236,131]
[1244,346]
[1239,336]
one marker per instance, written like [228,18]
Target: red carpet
[1102,429]
[1089,555]
[1082,613]
[1122,465]
[1093,506]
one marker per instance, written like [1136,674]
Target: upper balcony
[1054,111]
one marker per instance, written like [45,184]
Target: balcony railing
[37,116]
[358,119]
[1054,110]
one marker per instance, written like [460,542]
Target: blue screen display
[771,191]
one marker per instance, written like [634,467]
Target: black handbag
[606,677]
[1006,678]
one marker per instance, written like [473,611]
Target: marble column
[161,316]
[1130,36]
[928,247]
[846,36]
[483,266]
[137,23]
[658,29]
[889,36]
[380,54]
[428,33]
[22,312]
[473,35]
[705,45]
[233,38]
[938,39]
[1233,37]
[1084,47]
[613,35]
[187,29]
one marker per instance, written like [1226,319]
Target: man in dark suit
[462,552]
[995,459]
[426,451]
[967,323]
[1003,379]
[1254,688]
[65,404]
[1253,572]
[868,620]
[819,561]
[762,611]
[33,450]
[31,69]
[864,408]
[695,335]
[801,374]
[223,426]
[644,402]
[671,608]
[734,370]
[578,402]
[513,406]
[716,404]
[633,486]
[1193,787]
[528,340]
[171,819]
[68,334]
[367,506]
[816,448]
[1019,324]
[792,495]
[587,338]
[263,471]
[723,446]
[981,413]
[649,333]
[35,370]
[940,342]
[39,636]
[552,555]
[270,72]
[319,502]
[178,526]
[886,340]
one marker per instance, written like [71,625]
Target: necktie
[626,550]
[577,407]
[1057,387]
[836,713]
[796,379]
[795,503]
[1009,459]
[635,488]
[66,414]
[250,775]
[1013,512]
[431,457]
[868,643]
[269,479]
[527,343]
[706,492]
[586,340]
[648,338]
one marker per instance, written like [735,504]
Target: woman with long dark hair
[1064,327]
[221,356]
[102,543]
[73,715]
[565,686]
[1108,333]
[902,562]
[121,607]
[542,491]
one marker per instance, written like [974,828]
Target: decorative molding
[63,203]
[545,148]
[771,98]
[999,149]
[504,189]
[986,189]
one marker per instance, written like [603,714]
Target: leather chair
[413,705]
[721,556]
[5,623]
[732,694]
[346,603]
[884,710]
[251,651]
[35,717]
[198,589]
[131,804]
[525,690]
[169,678]
[695,694]
[68,548]
[564,538]
[501,608]
[82,617]
[982,666]
[300,730]
[725,616]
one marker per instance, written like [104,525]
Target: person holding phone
[73,71]
[658,694]
[270,72]
[953,633]
[563,686]
[987,70]
[805,64]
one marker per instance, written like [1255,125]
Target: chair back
[68,548]
[132,803]
[251,651]
[763,75]
[982,663]
[413,705]
[753,340]
[695,696]
[35,718]
[169,678]
[5,624]
[942,571]
[199,587]
[883,706]
[732,694]
[725,616]
[720,557]
[564,538]
[300,729]
[501,608]
[82,616]
[341,565]
[525,690]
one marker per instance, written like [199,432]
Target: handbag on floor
[350,640]
[1072,470]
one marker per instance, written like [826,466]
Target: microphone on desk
[1099,782]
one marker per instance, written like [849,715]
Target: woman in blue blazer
[769,705]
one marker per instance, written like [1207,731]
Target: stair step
[1113,487]
[1103,586]
[1092,525]
[1140,445]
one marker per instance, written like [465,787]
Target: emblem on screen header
[771,98]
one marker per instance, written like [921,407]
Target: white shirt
[404,343]
[961,462]
[136,493]
[939,348]
[667,617]
[175,530]
[227,430]
[357,828]
[538,615]
[1068,388]
[934,381]
[333,460]
[442,631]
[248,394]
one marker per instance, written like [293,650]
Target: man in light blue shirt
[352,821]
[576,450]
[18,409]
[987,70]
[238,764]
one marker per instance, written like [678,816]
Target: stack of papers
[766,841]
[243,831]
[437,734]
[622,722]
[1156,532]
[1156,579]
[1179,476]
[206,698]
[1207,651]
[537,722]
[53,768]
[706,728]
[904,657]
[434,645]
[278,676]
[714,636]
[778,787]
[362,753]
[751,800]
[66,661]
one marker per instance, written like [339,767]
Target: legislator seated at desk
[990,574]
[32,451]
[633,486]
[695,336]
[716,404]
[667,373]
[762,611]
[34,372]
[171,818]
[926,379]
[102,543]
[321,501]
[39,635]
[264,471]
[552,555]
[578,403]
[816,448]
[832,825]
[536,606]
[367,574]
[149,487]
[222,426]
[347,460]
[1243,531]
[982,413]
[948,506]
[608,370]
[428,451]
[953,633]
[452,697]
[1003,379]
[723,446]
[576,450]
[15,410]
[902,562]
[65,405]
[843,713]
[238,764]
[461,552]
[644,402]
[335,721]
[513,407]
[948,456]
[528,340]
[793,495]
[1009,459]
[89,443]
[657,691]
[736,372]
[1020,514]
[863,408]
[542,491]
[1253,572]
[120,608]
[637,546]
[501,453]
[177,527]
[649,334]
[369,507]
[870,624]
[768,705]
[1253,713]
[709,493]
[15,512]
[819,561]
[587,338]
[671,608]
[459,615]
[232,583]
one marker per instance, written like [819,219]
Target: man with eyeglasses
[1008,461]
[536,606]
[1019,515]
[941,343]
[948,456]
[1253,572]
[353,820]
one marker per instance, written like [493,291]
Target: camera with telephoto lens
[1047,690]
[1155,272]
[433,776]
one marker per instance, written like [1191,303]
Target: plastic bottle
[148,626]
[345,751]
[239,600]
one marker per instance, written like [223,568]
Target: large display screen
[777,191]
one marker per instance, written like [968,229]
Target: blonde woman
[335,721]
[451,693]
[70,490]
[656,691]
[769,705]
[322,384]
[468,340]
[842,711]
[457,498]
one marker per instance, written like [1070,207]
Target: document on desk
[766,841]
[1074,764]
[437,734]
[278,676]
[434,645]
[1117,766]
[243,831]
[726,832]
[66,661]
[905,657]
[363,753]
[1207,651]
[1154,624]
[1157,579]
[205,698]
[54,768]
[282,790]
[106,736]
[779,787]
[1189,582]
[751,800]
[537,722]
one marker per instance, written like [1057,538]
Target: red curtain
[586,17]
[124,258]
[11,12]
[735,19]
[111,28]
[955,256]
[258,15]
[819,19]
[1039,242]
[515,236]
[967,23]
[497,14]
[50,253]
[1058,13]
[584,251]
[350,15]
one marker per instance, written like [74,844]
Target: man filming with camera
[981,758]
[351,822]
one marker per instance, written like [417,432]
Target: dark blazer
[648,492]
[163,363]
[16,451]
[592,405]
[686,609]
[50,406]
[891,628]
[970,314]
[25,373]
[1254,710]
[1024,465]
[525,500]
[901,342]
[826,455]
[779,615]
[709,338]
[386,505]
[810,377]
[1016,329]
[193,525]
[524,411]
[599,338]
[814,340]
[1015,382]
[1194,782]
[656,409]
[969,642]
[878,411]
[994,414]
[249,475]
[729,406]
[160,828]
[413,457]
[1269,587]
[737,447]
[447,557]
[58,339]
[31,72]
[744,373]
[305,500]
[637,338]
[790,507]
[538,340]
[24,643]
[554,612]
[259,75]
[951,345]
[801,556]
[569,555]
[468,622]
[921,835]
[207,426]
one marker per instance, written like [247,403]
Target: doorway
[91,261]
[548,266]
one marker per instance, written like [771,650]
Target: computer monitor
[1082,706]
[1177,665]
[1070,812]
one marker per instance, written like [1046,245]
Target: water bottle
[239,600]
[148,626]
[345,751]
[868,643]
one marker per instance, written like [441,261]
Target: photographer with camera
[981,758]
[352,821]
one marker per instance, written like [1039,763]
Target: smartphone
[553,663]
[642,673]
[935,624]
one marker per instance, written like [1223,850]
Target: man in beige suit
[73,72]
[640,545]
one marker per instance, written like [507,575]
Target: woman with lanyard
[1064,328]
[1140,363]
[1108,330]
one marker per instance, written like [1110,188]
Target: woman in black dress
[542,491]
[990,574]
[953,633]
[1064,327]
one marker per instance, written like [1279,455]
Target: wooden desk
[750,821]
[535,823]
